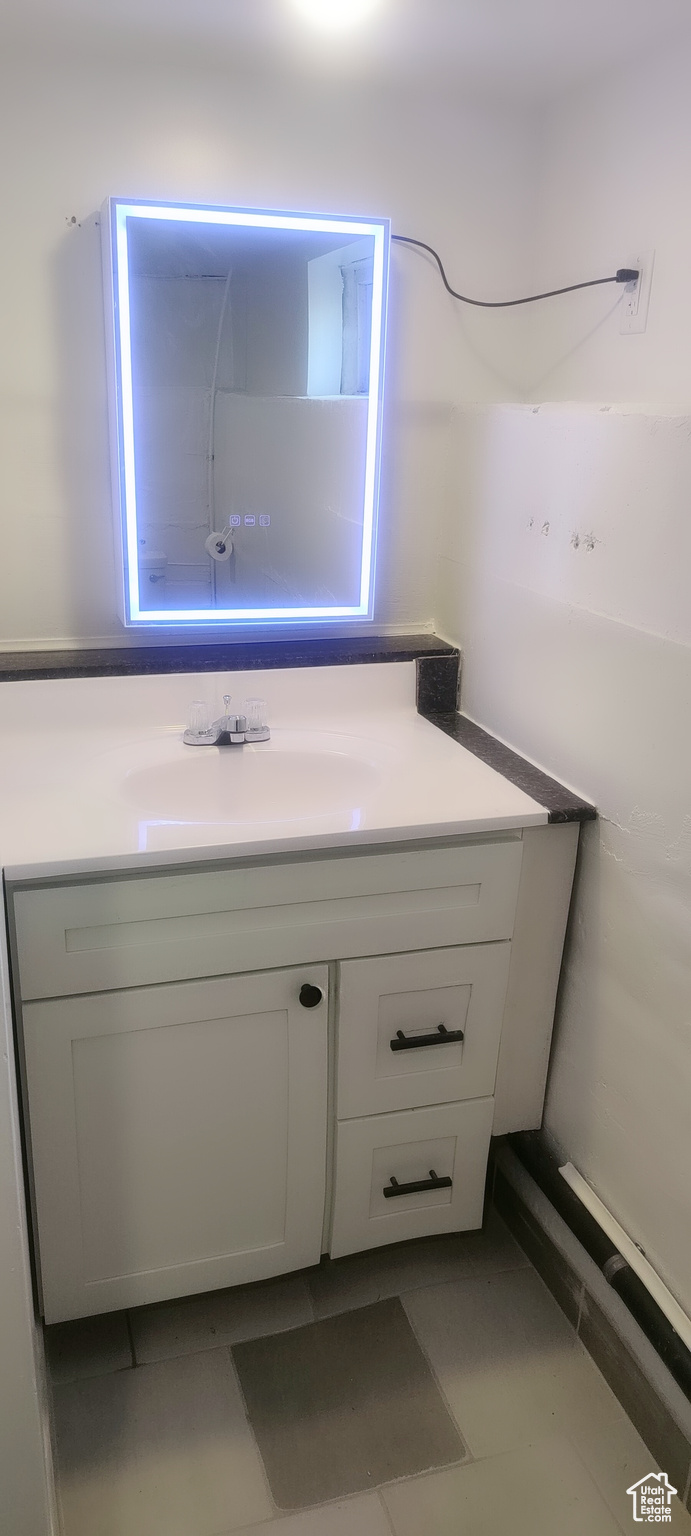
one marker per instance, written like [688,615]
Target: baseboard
[647,1391]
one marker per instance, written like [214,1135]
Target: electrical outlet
[634,307]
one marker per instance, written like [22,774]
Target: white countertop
[94,774]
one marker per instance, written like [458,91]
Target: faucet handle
[257,728]
[199,721]
[200,732]
[226,703]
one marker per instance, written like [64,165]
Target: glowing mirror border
[116,213]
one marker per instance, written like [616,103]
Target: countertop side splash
[560,803]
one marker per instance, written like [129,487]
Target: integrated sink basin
[95,774]
[297,776]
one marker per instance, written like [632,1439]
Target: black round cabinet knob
[310,996]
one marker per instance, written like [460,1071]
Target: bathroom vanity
[246,1041]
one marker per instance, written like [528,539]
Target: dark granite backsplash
[231,656]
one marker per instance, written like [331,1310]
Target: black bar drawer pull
[433,1182]
[443,1036]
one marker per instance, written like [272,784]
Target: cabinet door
[421,1028]
[178,1137]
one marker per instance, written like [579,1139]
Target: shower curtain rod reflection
[211,453]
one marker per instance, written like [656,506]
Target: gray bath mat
[344,1404]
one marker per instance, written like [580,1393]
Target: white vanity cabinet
[191,1123]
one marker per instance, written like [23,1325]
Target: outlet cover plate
[636,300]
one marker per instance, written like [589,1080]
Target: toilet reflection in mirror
[247,365]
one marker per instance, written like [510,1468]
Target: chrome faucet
[229,730]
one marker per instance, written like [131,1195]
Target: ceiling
[159,248]
[533,48]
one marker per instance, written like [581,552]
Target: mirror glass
[246,362]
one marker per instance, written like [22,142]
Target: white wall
[455,173]
[616,166]
[568,586]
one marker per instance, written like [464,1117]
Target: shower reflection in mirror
[247,364]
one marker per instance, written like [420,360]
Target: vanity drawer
[392,1010]
[450,1140]
[123,933]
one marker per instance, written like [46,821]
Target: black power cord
[623,275]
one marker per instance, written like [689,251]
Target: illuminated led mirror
[247,356]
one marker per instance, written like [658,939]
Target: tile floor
[153,1436]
